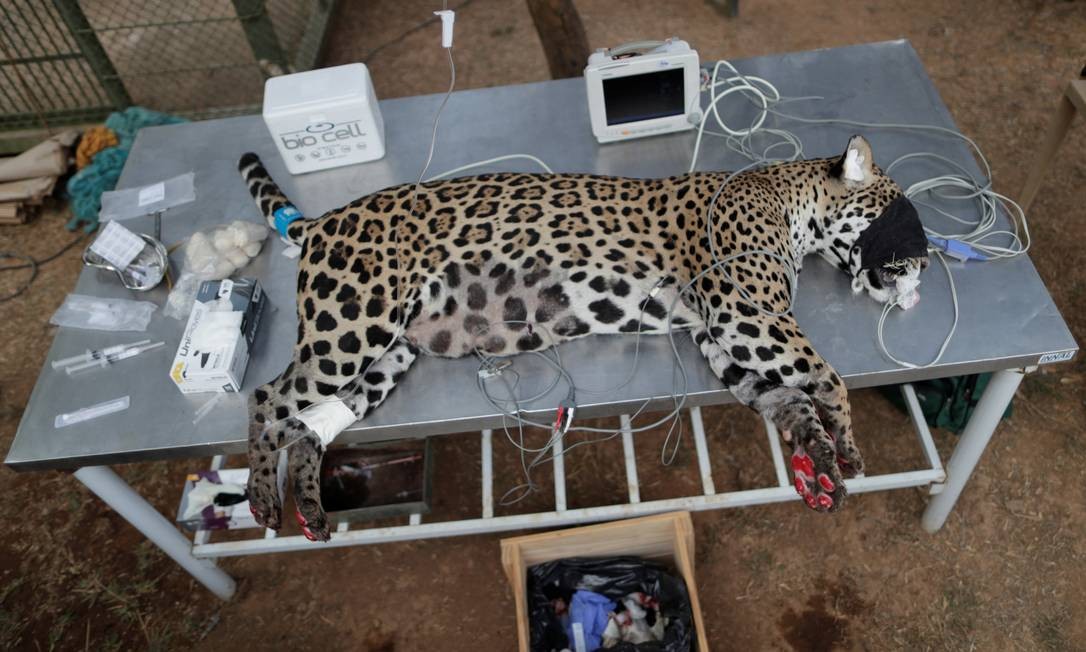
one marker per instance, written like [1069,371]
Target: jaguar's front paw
[818,478]
[313,520]
[264,499]
[849,459]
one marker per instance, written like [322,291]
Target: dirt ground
[1007,572]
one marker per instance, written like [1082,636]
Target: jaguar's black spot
[476,297]
[570,326]
[349,343]
[452,276]
[514,310]
[529,342]
[748,329]
[440,342]
[653,307]
[605,311]
[377,337]
[475,324]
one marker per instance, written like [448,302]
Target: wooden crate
[666,538]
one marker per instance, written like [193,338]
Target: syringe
[109,357]
[96,354]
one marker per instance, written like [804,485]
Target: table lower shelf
[344,535]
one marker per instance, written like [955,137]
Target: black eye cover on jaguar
[895,235]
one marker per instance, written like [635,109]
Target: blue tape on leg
[284,215]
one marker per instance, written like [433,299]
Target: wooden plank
[663,537]
[12,213]
[1073,100]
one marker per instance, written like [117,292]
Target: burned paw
[313,521]
[264,502]
[849,460]
[818,479]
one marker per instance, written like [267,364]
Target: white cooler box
[324,118]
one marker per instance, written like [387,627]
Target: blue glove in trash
[591,611]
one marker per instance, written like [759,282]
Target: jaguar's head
[872,231]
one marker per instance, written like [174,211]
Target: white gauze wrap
[327,419]
[853,162]
[908,295]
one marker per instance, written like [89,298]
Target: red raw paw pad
[302,522]
[801,463]
[813,486]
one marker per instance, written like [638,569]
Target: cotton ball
[257,232]
[221,269]
[200,254]
[238,237]
[250,232]
[237,258]
[223,239]
[198,248]
[252,249]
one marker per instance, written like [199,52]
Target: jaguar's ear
[856,166]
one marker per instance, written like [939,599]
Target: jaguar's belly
[500,311]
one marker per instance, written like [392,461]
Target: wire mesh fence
[72,61]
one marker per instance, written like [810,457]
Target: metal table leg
[117,493]
[993,403]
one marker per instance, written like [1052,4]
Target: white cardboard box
[216,517]
[214,348]
[324,118]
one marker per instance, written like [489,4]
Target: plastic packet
[98,313]
[134,202]
[212,255]
[614,578]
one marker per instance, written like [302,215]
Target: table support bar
[488,473]
[706,469]
[559,476]
[633,485]
[993,403]
[116,493]
[775,451]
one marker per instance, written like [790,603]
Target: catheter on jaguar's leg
[306,436]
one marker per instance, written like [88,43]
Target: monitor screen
[644,97]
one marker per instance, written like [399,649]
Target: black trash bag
[614,578]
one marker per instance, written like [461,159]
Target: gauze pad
[327,419]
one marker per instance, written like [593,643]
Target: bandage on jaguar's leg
[273,407]
[817,476]
[361,396]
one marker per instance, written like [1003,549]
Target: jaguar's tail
[280,214]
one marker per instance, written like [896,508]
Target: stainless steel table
[1008,321]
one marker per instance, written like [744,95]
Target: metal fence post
[93,51]
[260,33]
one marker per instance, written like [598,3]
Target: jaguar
[488,262]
